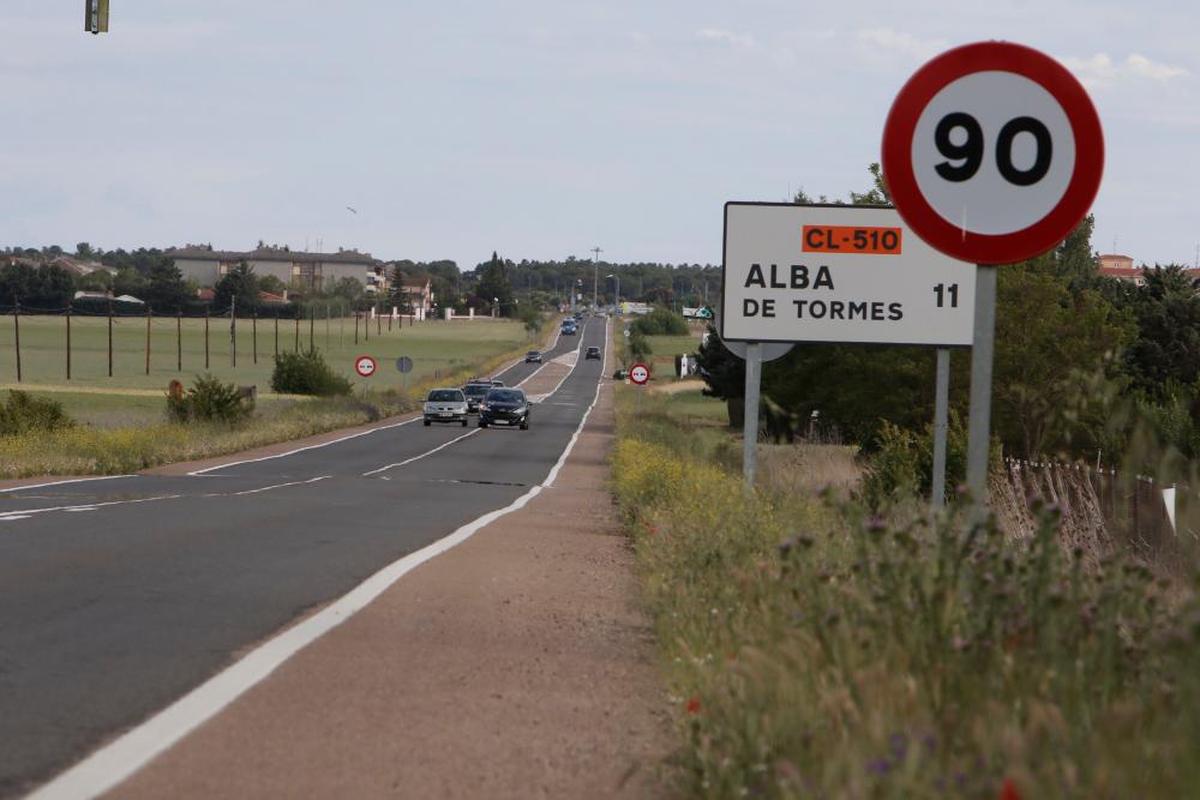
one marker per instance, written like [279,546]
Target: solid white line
[60,483]
[426,453]
[198,472]
[116,761]
[281,485]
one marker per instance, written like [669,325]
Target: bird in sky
[352,210]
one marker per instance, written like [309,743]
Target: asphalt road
[118,596]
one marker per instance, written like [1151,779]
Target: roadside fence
[119,313]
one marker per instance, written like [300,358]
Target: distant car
[591,352]
[475,392]
[445,405]
[504,407]
[533,357]
[569,330]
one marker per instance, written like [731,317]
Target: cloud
[1100,70]
[900,43]
[730,38]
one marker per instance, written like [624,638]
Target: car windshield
[445,396]
[533,353]
[476,389]
[505,396]
[593,349]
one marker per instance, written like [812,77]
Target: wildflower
[1009,790]
[693,705]
[876,524]
[879,766]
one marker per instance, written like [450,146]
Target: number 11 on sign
[943,291]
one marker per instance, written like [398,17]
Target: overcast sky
[539,129]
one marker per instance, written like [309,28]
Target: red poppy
[1009,790]
[693,705]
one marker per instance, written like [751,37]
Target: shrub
[209,400]
[638,346]
[24,413]
[660,322]
[307,373]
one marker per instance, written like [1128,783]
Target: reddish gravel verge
[516,665]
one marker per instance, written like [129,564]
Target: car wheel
[427,423]
[482,424]
[464,423]
[525,425]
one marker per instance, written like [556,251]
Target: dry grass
[809,469]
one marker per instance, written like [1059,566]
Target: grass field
[435,348]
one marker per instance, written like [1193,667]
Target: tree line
[1084,364]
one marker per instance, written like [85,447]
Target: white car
[446,405]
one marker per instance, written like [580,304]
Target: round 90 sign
[365,366]
[993,152]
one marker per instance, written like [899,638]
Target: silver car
[446,405]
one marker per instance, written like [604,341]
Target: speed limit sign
[639,374]
[993,152]
[365,366]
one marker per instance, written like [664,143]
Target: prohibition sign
[993,152]
[365,366]
[639,374]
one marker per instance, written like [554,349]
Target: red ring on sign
[358,362]
[645,371]
[982,248]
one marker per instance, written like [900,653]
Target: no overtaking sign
[823,273]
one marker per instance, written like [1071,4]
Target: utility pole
[596,251]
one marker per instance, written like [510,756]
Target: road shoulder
[517,664]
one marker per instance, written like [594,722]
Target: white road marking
[200,472]
[280,486]
[422,455]
[110,765]
[17,514]
[14,518]
[60,483]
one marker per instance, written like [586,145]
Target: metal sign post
[750,417]
[941,424]
[979,425]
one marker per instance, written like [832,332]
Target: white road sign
[796,273]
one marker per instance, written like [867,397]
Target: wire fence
[284,328]
[1101,509]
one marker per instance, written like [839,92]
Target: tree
[269,283]
[16,283]
[1167,346]
[52,287]
[165,289]
[1046,335]
[494,286]
[129,281]
[84,250]
[239,284]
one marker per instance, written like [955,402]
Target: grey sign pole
[750,421]
[941,419]
[982,347]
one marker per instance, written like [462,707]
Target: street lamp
[616,278]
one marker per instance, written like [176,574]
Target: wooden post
[356,327]
[17,332]
[277,333]
[110,337]
[378,320]
[68,341]
[296,347]
[149,316]
[254,335]
[327,328]
[207,313]
[233,331]
[179,340]
[312,321]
